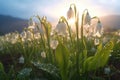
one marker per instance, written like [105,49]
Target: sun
[60,9]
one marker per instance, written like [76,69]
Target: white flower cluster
[88,29]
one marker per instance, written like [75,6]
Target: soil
[7,61]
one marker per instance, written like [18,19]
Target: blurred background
[14,14]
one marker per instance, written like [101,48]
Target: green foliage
[100,58]
[24,74]
[71,59]
[62,59]
[2,72]
[49,68]
[1,67]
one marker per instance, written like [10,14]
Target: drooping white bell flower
[21,60]
[119,33]
[107,70]
[99,27]
[29,35]
[98,30]
[37,36]
[53,44]
[61,29]
[70,13]
[97,34]
[36,27]
[86,30]
[23,35]
[33,28]
[87,19]
[96,41]
[43,54]
[14,38]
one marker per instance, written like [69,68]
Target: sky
[53,9]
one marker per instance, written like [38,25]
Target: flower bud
[87,19]
[99,27]
[70,13]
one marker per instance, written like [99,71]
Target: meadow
[44,52]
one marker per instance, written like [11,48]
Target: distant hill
[11,24]
[111,22]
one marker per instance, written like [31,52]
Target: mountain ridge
[111,22]
[12,24]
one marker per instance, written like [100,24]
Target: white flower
[61,29]
[96,41]
[21,60]
[31,22]
[43,54]
[23,35]
[107,70]
[37,36]
[53,44]
[29,35]
[97,34]
[36,27]
[14,38]
[119,33]
[70,13]
[110,55]
[31,27]
[93,49]
[87,19]
[99,28]
[86,30]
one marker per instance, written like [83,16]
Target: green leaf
[100,58]
[86,63]
[62,59]
[1,67]
[83,56]
[24,73]
[49,68]
[2,72]
[105,53]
